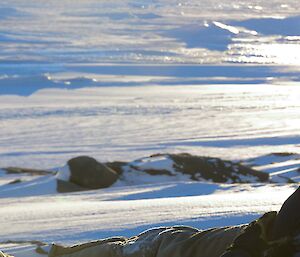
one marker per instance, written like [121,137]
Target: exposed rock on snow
[284,154]
[198,168]
[88,173]
[34,172]
[216,170]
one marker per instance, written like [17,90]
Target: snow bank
[64,173]
[38,186]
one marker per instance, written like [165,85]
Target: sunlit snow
[123,80]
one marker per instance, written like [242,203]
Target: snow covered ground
[233,122]
[126,79]
[78,217]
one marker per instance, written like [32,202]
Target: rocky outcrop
[216,170]
[198,168]
[86,173]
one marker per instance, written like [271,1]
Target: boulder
[88,173]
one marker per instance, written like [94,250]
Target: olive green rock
[88,173]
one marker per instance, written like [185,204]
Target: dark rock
[34,172]
[216,170]
[88,173]
[201,168]
[34,242]
[283,154]
[16,181]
